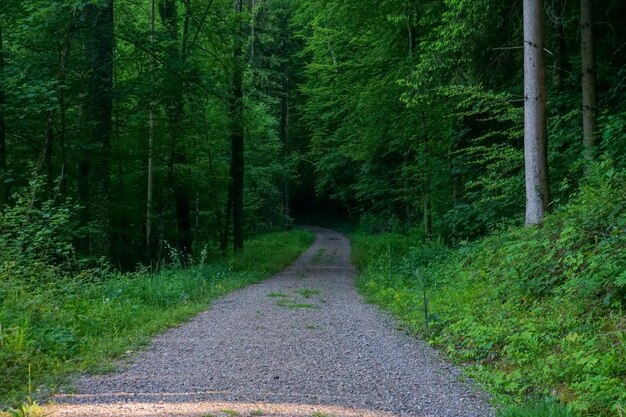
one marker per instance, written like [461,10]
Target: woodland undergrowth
[61,315]
[533,313]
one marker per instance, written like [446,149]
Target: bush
[38,234]
[534,312]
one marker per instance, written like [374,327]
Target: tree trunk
[176,59]
[560,46]
[63,53]
[183,192]
[284,133]
[151,126]
[587,53]
[100,112]
[237,135]
[4,187]
[535,141]
[252,29]
[426,188]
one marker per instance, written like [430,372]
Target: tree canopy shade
[129,108]
[415,109]
[184,123]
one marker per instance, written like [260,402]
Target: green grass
[540,409]
[320,414]
[532,312]
[294,305]
[86,323]
[317,259]
[308,292]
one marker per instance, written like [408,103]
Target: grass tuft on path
[84,324]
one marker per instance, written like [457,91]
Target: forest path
[302,343]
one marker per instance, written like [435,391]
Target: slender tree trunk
[183,193]
[176,59]
[63,53]
[587,54]
[4,187]
[237,135]
[151,126]
[560,46]
[49,154]
[101,110]
[229,214]
[223,234]
[252,29]
[284,130]
[426,188]
[535,141]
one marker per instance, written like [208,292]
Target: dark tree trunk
[4,187]
[284,133]
[151,126]
[100,118]
[587,53]
[229,214]
[535,140]
[560,45]
[63,54]
[177,190]
[183,222]
[426,187]
[237,135]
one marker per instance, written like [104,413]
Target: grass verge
[49,331]
[534,313]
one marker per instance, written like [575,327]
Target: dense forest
[184,121]
[140,132]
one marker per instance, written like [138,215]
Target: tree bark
[100,110]
[237,134]
[4,187]
[284,133]
[587,53]
[177,193]
[560,46]
[535,140]
[426,187]
[151,126]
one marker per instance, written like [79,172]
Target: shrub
[533,312]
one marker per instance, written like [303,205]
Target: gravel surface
[302,343]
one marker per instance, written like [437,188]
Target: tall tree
[100,110]
[151,126]
[4,188]
[535,133]
[559,46]
[237,131]
[587,53]
[176,60]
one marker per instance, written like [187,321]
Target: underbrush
[53,323]
[533,312]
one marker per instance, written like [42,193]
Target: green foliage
[540,409]
[533,312]
[36,237]
[76,323]
[172,89]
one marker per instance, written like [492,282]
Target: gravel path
[302,343]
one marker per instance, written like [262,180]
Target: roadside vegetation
[61,315]
[533,312]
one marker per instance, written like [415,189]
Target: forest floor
[303,343]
